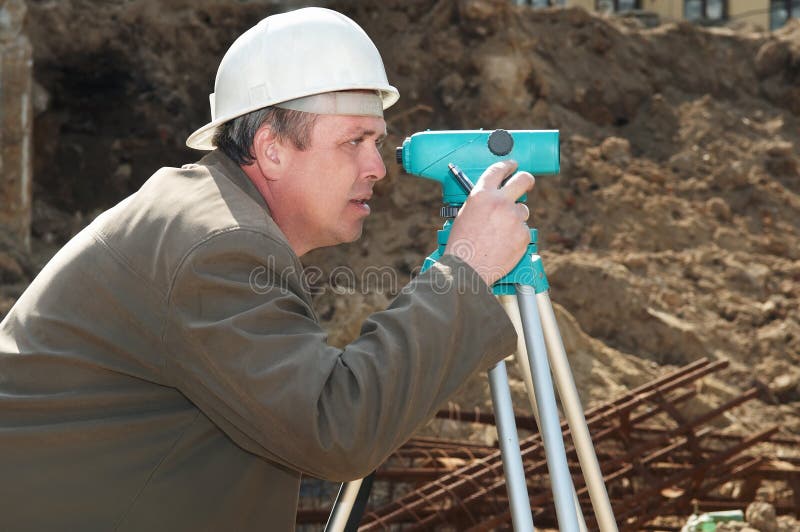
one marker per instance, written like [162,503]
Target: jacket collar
[235,174]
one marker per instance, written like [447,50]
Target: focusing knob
[448,211]
[501,142]
[398,155]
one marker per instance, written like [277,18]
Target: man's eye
[356,142]
[379,143]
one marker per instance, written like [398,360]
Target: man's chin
[345,238]
[357,235]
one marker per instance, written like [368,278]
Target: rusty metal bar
[454,413]
[680,430]
[720,458]
[683,502]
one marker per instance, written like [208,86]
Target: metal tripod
[540,350]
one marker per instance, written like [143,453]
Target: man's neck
[261,183]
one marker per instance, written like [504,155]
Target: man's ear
[267,151]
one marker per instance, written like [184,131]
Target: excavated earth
[671,233]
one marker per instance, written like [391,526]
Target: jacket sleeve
[243,344]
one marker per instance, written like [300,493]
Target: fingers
[495,174]
[518,185]
[515,187]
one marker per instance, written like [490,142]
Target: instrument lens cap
[501,142]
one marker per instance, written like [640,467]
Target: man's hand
[489,232]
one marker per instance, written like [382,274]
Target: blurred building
[759,14]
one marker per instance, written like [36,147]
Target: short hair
[235,137]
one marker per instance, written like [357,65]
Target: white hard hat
[290,56]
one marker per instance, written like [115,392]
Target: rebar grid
[656,460]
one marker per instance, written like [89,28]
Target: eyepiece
[398,155]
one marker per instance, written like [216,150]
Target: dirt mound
[671,232]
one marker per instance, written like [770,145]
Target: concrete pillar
[16,123]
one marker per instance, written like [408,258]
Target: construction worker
[146,381]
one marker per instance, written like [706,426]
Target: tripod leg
[550,425]
[521,356]
[574,414]
[512,309]
[349,505]
[521,517]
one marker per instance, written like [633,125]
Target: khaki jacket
[165,371]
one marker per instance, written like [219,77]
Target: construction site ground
[671,234]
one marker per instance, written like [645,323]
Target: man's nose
[375,169]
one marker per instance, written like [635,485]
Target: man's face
[323,192]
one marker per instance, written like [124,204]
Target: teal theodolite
[524,292]
[439,155]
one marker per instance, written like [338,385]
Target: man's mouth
[362,199]
[362,202]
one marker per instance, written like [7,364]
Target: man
[146,384]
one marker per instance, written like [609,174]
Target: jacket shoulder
[176,210]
